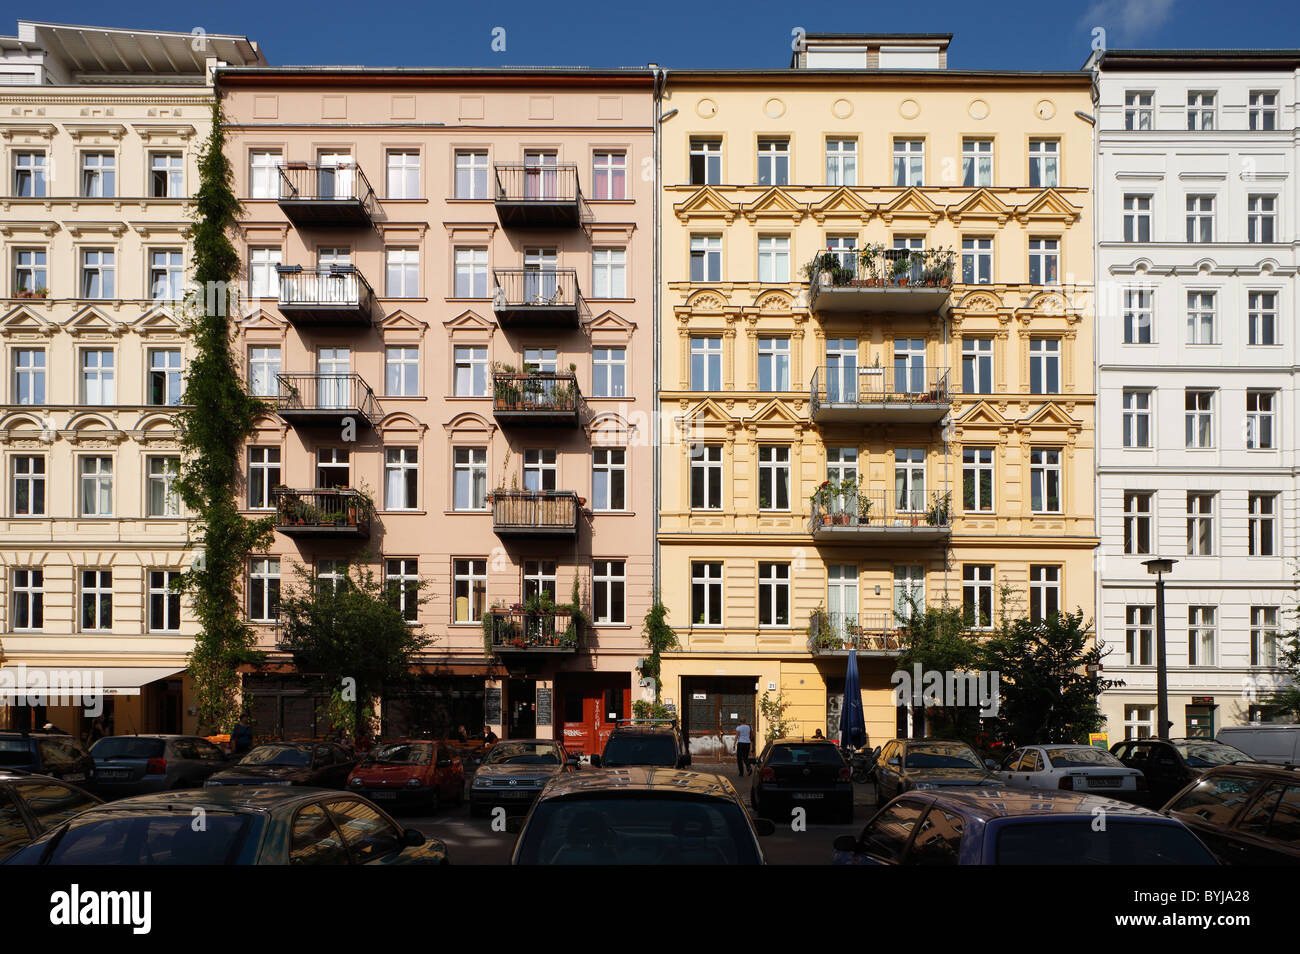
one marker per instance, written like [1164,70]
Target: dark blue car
[993,826]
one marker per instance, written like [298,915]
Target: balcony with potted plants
[870,634]
[326,400]
[537,195]
[876,395]
[846,511]
[332,513]
[317,194]
[535,626]
[537,297]
[535,513]
[891,280]
[531,397]
[325,295]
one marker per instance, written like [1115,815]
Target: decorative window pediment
[707,203]
[843,203]
[775,203]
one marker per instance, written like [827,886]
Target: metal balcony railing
[533,194]
[905,512]
[324,194]
[344,513]
[830,633]
[518,630]
[535,512]
[327,293]
[538,396]
[875,280]
[850,392]
[327,398]
[536,295]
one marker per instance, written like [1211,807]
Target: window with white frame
[1137,218]
[471,272]
[1045,365]
[166,175]
[264,370]
[977,595]
[1263,524]
[471,371]
[842,597]
[263,477]
[909,592]
[706,477]
[706,258]
[402,370]
[98,175]
[1200,109]
[1200,524]
[1044,261]
[1045,480]
[977,479]
[909,162]
[264,173]
[263,274]
[539,578]
[96,600]
[541,470]
[608,372]
[166,274]
[403,174]
[706,593]
[471,174]
[1044,592]
[1262,109]
[1044,163]
[773,364]
[1139,112]
[774,162]
[842,465]
[1139,722]
[331,575]
[773,259]
[706,161]
[1260,419]
[402,273]
[264,589]
[401,478]
[774,594]
[609,273]
[909,479]
[773,477]
[608,479]
[977,365]
[1201,625]
[1137,417]
[977,260]
[609,588]
[402,578]
[841,162]
[98,273]
[29,600]
[1139,315]
[976,162]
[28,376]
[706,363]
[1261,219]
[164,601]
[164,378]
[97,381]
[1202,320]
[163,498]
[96,481]
[1137,522]
[844,248]
[30,272]
[1200,218]
[469,590]
[28,485]
[1265,635]
[1199,418]
[469,478]
[608,174]
[1262,318]
[1139,635]
[29,175]
[333,468]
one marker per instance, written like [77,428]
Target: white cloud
[1127,21]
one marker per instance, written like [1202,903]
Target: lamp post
[1158,568]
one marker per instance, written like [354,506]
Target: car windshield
[403,753]
[15,752]
[128,747]
[146,838]
[1205,754]
[639,750]
[941,755]
[1082,756]
[523,753]
[816,754]
[644,829]
[1080,842]
[277,755]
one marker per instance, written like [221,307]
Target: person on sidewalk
[743,741]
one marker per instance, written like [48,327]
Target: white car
[1078,768]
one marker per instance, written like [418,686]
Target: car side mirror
[848,843]
[895,761]
[595,761]
[764,827]
[412,838]
[876,751]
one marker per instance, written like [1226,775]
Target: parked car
[907,765]
[31,805]
[1169,764]
[128,765]
[46,753]
[980,825]
[1247,814]
[319,764]
[797,773]
[513,772]
[648,742]
[410,772]
[242,826]
[1265,743]
[640,816]
[1079,768]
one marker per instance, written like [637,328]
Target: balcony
[327,400]
[539,196]
[897,395]
[536,297]
[329,195]
[855,516]
[333,514]
[539,513]
[871,634]
[888,280]
[539,398]
[329,295]
[519,630]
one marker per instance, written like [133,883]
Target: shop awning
[112,680]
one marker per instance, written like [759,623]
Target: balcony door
[541,175]
[842,597]
[841,370]
[333,387]
[909,365]
[336,287]
[541,283]
[335,175]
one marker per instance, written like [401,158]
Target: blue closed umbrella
[853,724]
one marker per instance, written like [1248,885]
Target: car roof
[639,778]
[1289,770]
[234,798]
[19,734]
[803,740]
[644,730]
[988,803]
[152,735]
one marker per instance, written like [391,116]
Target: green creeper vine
[659,636]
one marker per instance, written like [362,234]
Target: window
[1137,523]
[1260,419]
[264,371]
[774,364]
[164,500]
[98,269]
[402,371]
[29,485]
[164,601]
[30,273]
[264,173]
[333,468]
[608,479]
[977,365]
[264,589]
[29,599]
[263,277]
[909,591]
[706,594]
[609,372]
[1137,418]
[706,364]
[402,275]
[1139,635]
[841,162]
[331,575]
[1045,480]
[1262,112]
[706,258]
[841,372]
[403,174]
[29,175]
[773,478]
[1265,635]
[773,162]
[539,578]
[1044,592]
[977,595]
[909,162]
[1200,218]
[609,175]
[706,477]
[773,259]
[609,585]
[1263,318]
[471,371]
[96,600]
[402,577]
[97,377]
[1263,525]
[1201,319]
[263,476]
[1044,261]
[977,479]
[1200,635]
[29,376]
[166,175]
[1200,524]
[96,476]
[706,161]
[1138,110]
[909,365]
[471,174]
[1045,365]
[471,273]
[1261,219]
[1137,218]
[541,471]
[98,175]
[1199,416]
[1139,312]
[164,383]
[1139,722]
[469,590]
[976,162]
[469,478]
[1044,163]
[909,479]
[609,273]
[166,274]
[401,478]
[1200,110]
[844,248]
[977,261]
[842,464]
[774,594]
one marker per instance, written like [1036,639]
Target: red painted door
[591,710]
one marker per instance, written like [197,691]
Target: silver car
[1077,768]
[513,772]
[127,765]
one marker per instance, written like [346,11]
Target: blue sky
[994,34]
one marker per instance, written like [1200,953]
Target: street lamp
[1158,568]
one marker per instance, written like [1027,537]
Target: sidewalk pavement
[864,796]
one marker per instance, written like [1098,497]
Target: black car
[907,765]
[1247,813]
[46,753]
[796,773]
[648,742]
[31,805]
[320,764]
[128,765]
[242,826]
[1171,764]
[639,816]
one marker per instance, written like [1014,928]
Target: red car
[410,772]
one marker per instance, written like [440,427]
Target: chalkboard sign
[543,707]
[492,706]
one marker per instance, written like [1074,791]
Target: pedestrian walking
[744,739]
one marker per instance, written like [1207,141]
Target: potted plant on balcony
[869,264]
[859,490]
[899,271]
[41,292]
[939,512]
[821,633]
[827,270]
[821,502]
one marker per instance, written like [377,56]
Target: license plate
[1104,783]
[803,795]
[109,773]
[514,794]
[78,777]
[382,795]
